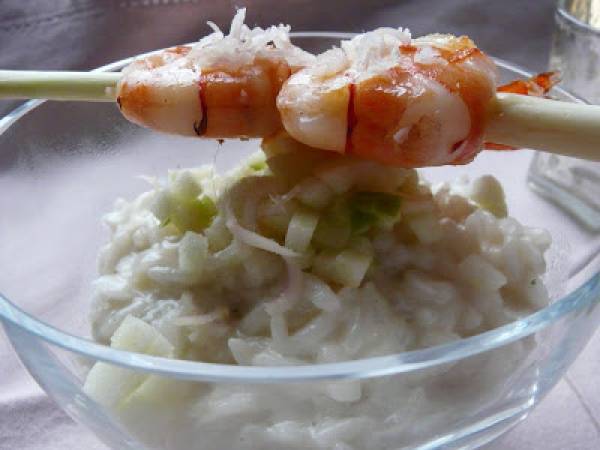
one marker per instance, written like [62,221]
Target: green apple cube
[108,384]
[301,229]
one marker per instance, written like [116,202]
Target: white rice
[443,269]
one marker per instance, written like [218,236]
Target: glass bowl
[61,167]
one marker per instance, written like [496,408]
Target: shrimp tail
[536,86]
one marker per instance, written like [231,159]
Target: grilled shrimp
[387,97]
[223,86]
[382,95]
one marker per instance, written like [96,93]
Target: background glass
[574,184]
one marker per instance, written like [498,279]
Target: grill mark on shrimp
[457,145]
[200,128]
[350,116]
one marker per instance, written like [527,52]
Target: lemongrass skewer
[70,86]
[571,129]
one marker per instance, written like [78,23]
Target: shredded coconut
[429,55]
[244,44]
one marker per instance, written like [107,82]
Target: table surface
[81,34]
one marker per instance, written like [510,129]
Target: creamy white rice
[263,281]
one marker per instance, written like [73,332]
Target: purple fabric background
[82,34]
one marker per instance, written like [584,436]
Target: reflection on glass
[574,184]
[586,11]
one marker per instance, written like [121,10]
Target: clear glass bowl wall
[63,164]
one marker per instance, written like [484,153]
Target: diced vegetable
[258,166]
[426,227]
[294,166]
[257,162]
[291,159]
[155,391]
[135,335]
[347,267]
[346,391]
[183,185]
[252,238]
[481,274]
[487,192]
[411,183]
[344,174]
[280,143]
[320,294]
[334,228]
[182,203]
[276,225]
[416,207]
[275,218]
[109,385]
[361,244]
[301,229]
[355,213]
[305,260]
[161,207]
[338,176]
[314,193]
[370,208]
[217,234]
[193,251]
[361,222]
[186,213]
[194,215]
[376,203]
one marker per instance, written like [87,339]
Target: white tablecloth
[81,34]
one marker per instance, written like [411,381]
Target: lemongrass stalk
[571,129]
[79,86]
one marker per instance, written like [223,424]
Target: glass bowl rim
[585,295]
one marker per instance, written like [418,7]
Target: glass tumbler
[572,183]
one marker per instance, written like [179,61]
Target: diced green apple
[290,158]
[487,192]
[301,229]
[110,385]
[347,267]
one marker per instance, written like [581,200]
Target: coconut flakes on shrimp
[387,97]
[243,45]
[224,86]
[376,51]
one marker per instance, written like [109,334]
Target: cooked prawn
[381,96]
[224,86]
[390,98]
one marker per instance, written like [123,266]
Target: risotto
[304,257]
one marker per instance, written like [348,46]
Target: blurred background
[83,34]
